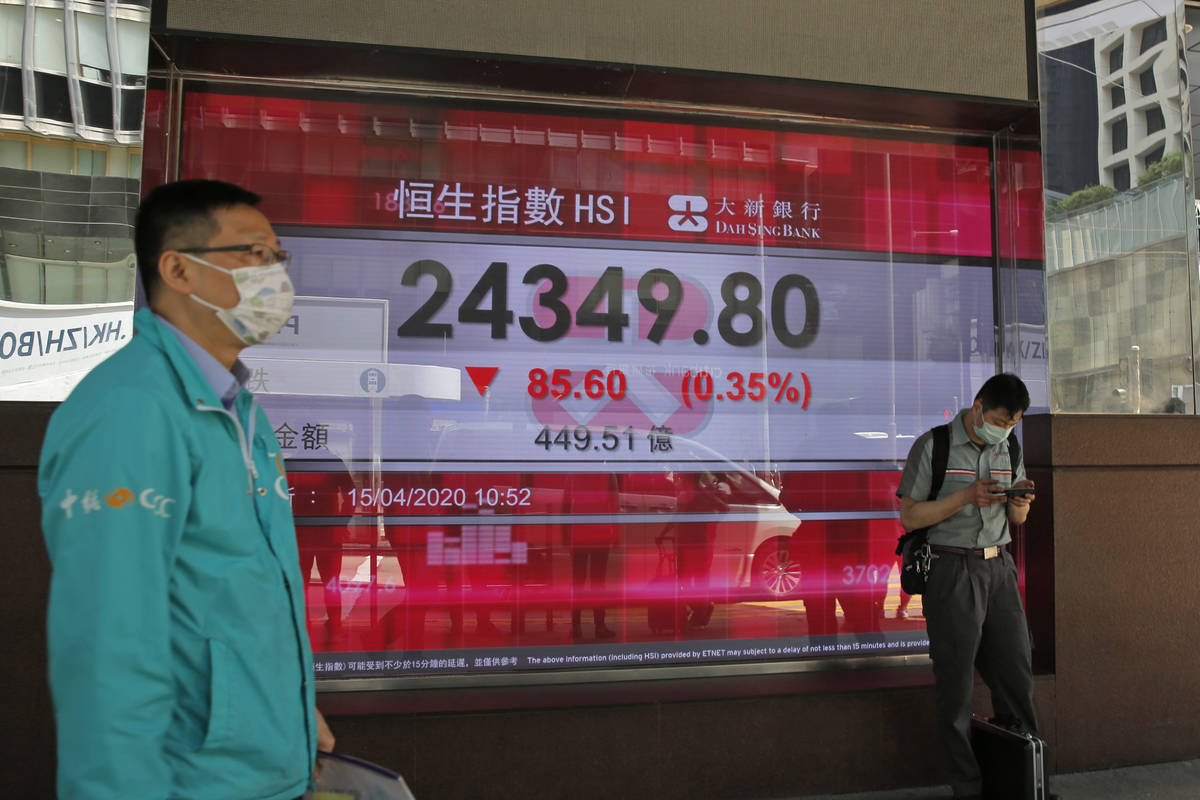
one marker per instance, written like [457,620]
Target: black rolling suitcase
[1012,761]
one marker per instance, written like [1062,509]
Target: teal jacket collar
[196,385]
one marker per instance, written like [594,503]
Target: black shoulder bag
[916,557]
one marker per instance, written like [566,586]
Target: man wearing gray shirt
[973,609]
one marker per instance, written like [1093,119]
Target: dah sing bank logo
[690,219]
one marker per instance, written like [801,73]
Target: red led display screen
[569,392]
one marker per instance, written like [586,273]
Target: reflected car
[715,525]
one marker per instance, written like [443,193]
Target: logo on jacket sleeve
[119,497]
[156,502]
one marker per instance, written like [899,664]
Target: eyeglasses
[260,252]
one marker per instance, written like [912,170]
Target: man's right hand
[981,493]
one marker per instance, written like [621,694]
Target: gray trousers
[975,620]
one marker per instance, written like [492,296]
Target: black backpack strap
[941,456]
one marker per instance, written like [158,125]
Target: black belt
[982,552]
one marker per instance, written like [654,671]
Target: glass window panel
[12,29]
[14,153]
[49,47]
[133,39]
[120,284]
[93,284]
[1116,57]
[1153,157]
[24,279]
[1117,95]
[1120,264]
[1154,120]
[97,104]
[1153,34]
[52,157]
[135,165]
[1120,135]
[1146,82]
[133,106]
[53,99]
[1121,177]
[559,555]
[90,162]
[12,91]
[62,284]
[93,45]
[118,161]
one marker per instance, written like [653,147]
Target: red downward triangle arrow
[482,377]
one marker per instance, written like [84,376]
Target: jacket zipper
[244,442]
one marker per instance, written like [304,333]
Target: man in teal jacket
[179,660]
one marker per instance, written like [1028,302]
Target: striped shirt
[967,462]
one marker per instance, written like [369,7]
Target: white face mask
[266,301]
[992,434]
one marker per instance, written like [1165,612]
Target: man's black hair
[179,214]
[1005,391]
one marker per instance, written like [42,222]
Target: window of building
[97,101]
[132,40]
[14,153]
[12,29]
[1146,82]
[90,68]
[49,46]
[1153,34]
[1154,156]
[1154,120]
[1121,177]
[133,106]
[1120,135]
[93,47]
[1116,58]
[53,97]
[12,91]
[90,161]
[53,156]
[1117,96]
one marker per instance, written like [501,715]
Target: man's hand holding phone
[984,492]
[1019,494]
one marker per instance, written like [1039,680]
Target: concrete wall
[976,48]
[1126,585]
[28,734]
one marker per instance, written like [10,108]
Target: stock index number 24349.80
[604,306]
